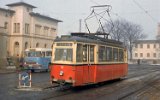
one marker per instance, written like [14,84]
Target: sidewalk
[7,70]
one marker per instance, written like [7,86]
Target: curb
[6,71]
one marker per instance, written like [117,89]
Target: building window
[148,46]
[141,54]
[6,25]
[16,49]
[27,28]
[141,45]
[28,9]
[37,45]
[37,29]
[6,15]
[16,27]
[136,54]
[148,54]
[46,31]
[154,46]
[26,46]
[53,30]
[159,55]
[154,55]
[136,45]
[45,46]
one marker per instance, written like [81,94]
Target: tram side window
[108,53]
[115,54]
[102,54]
[84,53]
[79,57]
[63,54]
[92,53]
[121,55]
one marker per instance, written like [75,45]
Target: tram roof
[87,38]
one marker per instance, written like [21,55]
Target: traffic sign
[25,79]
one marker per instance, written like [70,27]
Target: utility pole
[80,25]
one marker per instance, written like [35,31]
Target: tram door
[88,70]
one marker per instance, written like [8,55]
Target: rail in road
[117,90]
[142,81]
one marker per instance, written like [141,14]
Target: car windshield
[33,54]
[63,54]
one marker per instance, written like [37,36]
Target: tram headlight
[61,73]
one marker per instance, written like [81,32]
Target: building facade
[5,17]
[3,46]
[147,51]
[26,29]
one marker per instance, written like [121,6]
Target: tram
[81,59]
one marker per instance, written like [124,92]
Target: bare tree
[132,32]
[124,31]
[115,29]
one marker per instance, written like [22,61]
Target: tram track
[137,84]
[114,86]
[146,85]
[58,92]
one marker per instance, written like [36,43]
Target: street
[142,83]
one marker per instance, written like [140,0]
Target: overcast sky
[143,12]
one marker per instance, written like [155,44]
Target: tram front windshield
[63,54]
[33,54]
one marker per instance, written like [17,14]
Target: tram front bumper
[61,81]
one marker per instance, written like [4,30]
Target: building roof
[7,10]
[21,3]
[147,41]
[43,16]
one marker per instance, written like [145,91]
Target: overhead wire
[145,11]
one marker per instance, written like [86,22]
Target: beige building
[5,17]
[3,46]
[24,28]
[148,51]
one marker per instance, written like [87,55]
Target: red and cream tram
[82,59]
